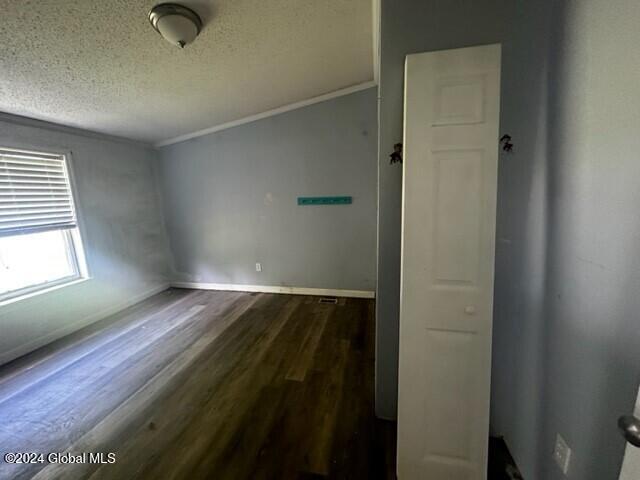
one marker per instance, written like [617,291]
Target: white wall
[123,235]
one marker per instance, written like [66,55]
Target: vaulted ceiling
[99,65]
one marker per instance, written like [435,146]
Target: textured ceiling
[99,65]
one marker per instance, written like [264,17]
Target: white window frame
[73,237]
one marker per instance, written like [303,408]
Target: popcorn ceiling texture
[100,66]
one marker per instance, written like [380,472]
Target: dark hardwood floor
[196,384]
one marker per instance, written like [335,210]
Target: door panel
[457,182]
[449,207]
[459,100]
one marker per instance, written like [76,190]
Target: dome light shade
[177,24]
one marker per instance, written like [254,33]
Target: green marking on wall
[324,200]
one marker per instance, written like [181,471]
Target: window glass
[36,260]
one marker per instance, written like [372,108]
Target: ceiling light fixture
[177,24]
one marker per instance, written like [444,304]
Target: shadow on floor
[501,464]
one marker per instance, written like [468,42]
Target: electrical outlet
[562,454]
[258,267]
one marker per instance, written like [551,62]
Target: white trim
[44,289]
[230,287]
[268,113]
[375,17]
[95,317]
[68,129]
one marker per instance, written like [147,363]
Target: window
[39,240]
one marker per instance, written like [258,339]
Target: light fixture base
[162,10]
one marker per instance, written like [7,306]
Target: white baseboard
[94,317]
[230,287]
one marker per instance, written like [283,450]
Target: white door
[452,102]
[631,463]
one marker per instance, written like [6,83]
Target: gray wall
[230,199]
[123,236]
[566,336]
[410,26]
[568,265]
[518,372]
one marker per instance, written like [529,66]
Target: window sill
[44,290]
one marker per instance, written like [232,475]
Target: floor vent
[329,300]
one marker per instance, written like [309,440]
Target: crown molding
[58,127]
[44,124]
[268,113]
[375,17]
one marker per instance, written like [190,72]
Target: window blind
[35,194]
